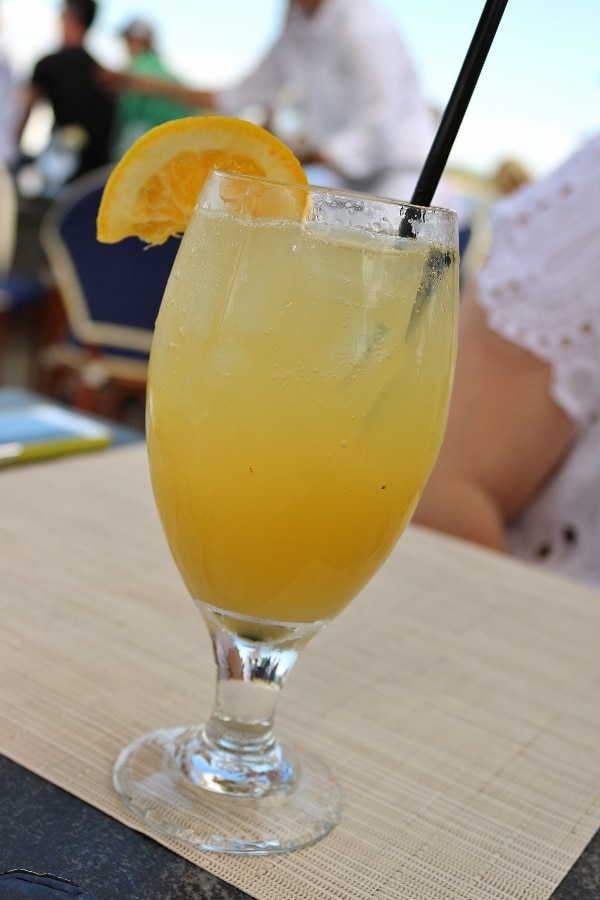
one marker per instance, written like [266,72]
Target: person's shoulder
[44,68]
[44,61]
[584,166]
[63,57]
[365,22]
[78,53]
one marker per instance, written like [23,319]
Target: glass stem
[236,751]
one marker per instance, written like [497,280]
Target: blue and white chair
[110,294]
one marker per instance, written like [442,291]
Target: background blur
[537,99]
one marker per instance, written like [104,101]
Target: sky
[537,98]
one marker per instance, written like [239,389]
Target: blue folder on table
[42,430]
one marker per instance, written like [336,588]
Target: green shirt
[138,113]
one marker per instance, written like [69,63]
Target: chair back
[8,219]
[111,292]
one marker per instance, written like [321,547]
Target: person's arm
[32,95]
[505,436]
[157,87]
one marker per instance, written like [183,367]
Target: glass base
[151,779]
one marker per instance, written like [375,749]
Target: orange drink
[285,463]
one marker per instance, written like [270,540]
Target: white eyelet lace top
[540,288]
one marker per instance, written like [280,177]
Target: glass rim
[336,191]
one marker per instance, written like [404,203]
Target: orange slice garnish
[152,191]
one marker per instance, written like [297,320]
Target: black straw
[455,110]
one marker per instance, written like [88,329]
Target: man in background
[341,89]
[68,81]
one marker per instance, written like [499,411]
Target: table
[86,587]
[45,829]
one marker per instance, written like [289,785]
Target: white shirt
[541,290]
[348,74]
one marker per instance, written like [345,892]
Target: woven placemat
[456,698]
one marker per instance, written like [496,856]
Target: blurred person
[137,111]
[519,470]
[340,88]
[9,108]
[83,108]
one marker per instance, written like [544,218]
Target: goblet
[298,391]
